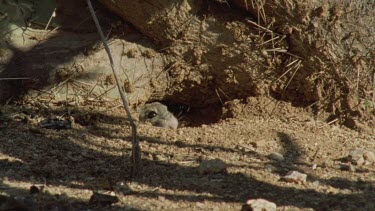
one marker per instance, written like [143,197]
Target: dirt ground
[60,169]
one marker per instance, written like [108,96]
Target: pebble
[212,166]
[158,157]
[314,166]
[295,176]
[277,156]
[200,204]
[316,183]
[259,205]
[360,156]
[369,156]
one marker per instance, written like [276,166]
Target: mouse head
[152,111]
[158,115]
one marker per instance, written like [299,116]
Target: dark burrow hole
[189,116]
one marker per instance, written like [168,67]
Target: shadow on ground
[60,158]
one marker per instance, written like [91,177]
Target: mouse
[158,115]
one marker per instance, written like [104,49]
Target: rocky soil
[65,140]
[218,165]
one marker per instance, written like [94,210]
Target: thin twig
[331,122]
[136,150]
[217,93]
[259,26]
[297,67]
[50,19]
[224,93]
[297,60]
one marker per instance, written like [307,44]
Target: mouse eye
[151,114]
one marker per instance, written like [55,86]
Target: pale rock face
[158,115]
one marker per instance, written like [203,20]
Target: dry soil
[60,169]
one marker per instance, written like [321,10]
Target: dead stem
[136,151]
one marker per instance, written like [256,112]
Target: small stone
[161,198]
[277,156]
[361,179]
[259,205]
[314,166]
[270,168]
[316,183]
[360,156]
[295,176]
[158,157]
[369,156]
[103,199]
[212,166]
[356,153]
[200,204]
[358,161]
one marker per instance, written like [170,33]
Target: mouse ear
[151,114]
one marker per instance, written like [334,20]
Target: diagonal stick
[136,150]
